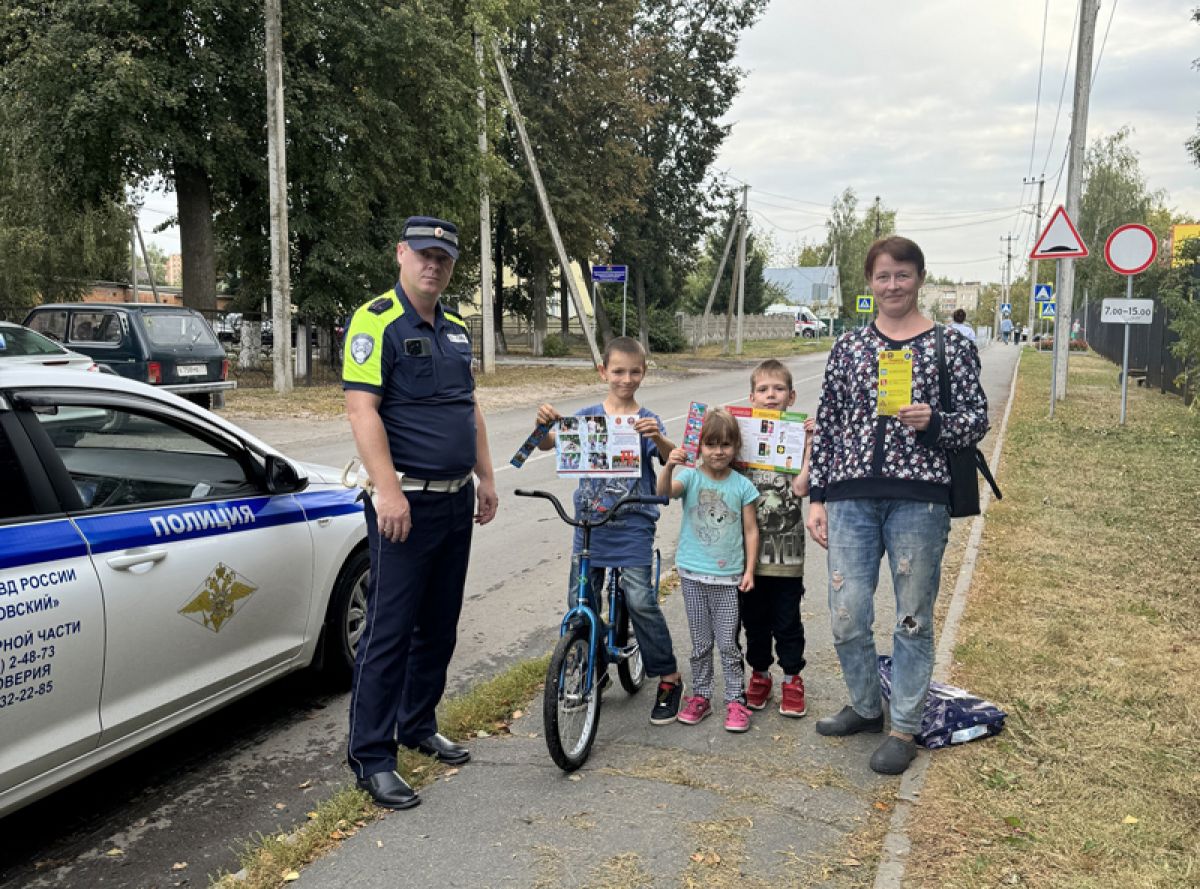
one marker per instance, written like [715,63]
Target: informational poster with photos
[604,446]
[772,440]
[895,381]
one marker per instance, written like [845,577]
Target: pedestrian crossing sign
[1047,309]
[1043,293]
[866,305]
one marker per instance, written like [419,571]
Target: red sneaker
[758,690]
[737,717]
[694,710]
[791,701]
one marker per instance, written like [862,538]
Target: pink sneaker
[694,710]
[737,717]
[758,690]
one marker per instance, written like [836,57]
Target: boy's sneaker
[791,699]
[737,717]
[758,690]
[666,703]
[694,709]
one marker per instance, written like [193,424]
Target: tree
[690,83]
[49,248]
[850,237]
[759,294]
[1114,192]
[575,72]
[1193,144]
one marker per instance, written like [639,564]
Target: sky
[934,106]
[931,106]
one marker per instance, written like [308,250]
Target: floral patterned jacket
[857,454]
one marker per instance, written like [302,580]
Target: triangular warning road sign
[1060,240]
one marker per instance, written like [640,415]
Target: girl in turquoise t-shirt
[718,546]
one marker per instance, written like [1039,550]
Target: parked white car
[156,562]
[20,346]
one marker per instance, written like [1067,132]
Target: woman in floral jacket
[881,484]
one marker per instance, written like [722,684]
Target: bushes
[554,346]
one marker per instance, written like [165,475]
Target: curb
[896,844]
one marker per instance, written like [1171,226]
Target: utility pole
[146,260]
[712,294]
[133,251]
[488,347]
[1088,10]
[281,287]
[878,228]
[1033,268]
[1008,255]
[741,308]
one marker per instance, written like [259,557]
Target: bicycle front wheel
[632,669]
[569,715]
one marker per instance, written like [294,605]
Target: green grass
[1083,623]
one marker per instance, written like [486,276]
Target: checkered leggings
[712,611]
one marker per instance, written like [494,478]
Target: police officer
[410,397]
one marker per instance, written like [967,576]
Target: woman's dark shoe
[445,750]
[389,790]
[893,756]
[847,722]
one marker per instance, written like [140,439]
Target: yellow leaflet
[895,381]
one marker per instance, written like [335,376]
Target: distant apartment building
[175,270]
[940,300]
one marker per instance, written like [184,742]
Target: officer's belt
[435,486]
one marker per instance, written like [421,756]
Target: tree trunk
[602,326]
[196,241]
[498,287]
[639,280]
[541,290]
[564,304]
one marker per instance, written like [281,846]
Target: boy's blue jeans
[913,534]
[649,623]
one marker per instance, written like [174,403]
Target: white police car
[156,562]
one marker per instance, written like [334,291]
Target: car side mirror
[282,477]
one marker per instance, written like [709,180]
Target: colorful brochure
[539,432]
[598,447]
[895,381]
[771,440]
[691,432]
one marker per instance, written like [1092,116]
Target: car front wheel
[347,615]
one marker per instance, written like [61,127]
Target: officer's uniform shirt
[422,372]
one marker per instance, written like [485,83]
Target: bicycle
[586,646]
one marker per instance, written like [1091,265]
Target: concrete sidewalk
[659,805]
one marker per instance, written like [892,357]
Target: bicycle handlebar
[628,500]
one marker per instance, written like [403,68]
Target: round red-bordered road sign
[1130,249]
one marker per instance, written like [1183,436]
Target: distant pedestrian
[1006,329]
[410,397]
[881,484]
[716,557]
[960,324]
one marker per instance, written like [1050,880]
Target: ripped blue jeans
[913,534]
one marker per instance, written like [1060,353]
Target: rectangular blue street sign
[1043,293]
[1006,308]
[609,274]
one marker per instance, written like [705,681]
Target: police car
[156,562]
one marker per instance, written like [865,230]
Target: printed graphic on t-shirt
[780,520]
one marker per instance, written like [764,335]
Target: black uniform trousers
[772,609]
[413,605]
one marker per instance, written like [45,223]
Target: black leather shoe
[445,750]
[848,722]
[389,790]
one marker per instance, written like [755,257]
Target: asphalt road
[178,812]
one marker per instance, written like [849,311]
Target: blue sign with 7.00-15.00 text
[609,274]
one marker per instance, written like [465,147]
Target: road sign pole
[1058,268]
[1125,354]
[624,303]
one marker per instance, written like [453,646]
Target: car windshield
[177,329]
[21,341]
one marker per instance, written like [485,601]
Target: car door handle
[134,558]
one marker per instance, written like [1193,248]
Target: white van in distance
[807,324]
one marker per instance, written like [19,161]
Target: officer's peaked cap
[423,232]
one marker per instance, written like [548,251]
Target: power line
[1062,90]
[939,228]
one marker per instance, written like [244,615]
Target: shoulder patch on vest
[455,318]
[380,305]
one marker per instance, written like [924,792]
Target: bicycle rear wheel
[631,670]
[569,716]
